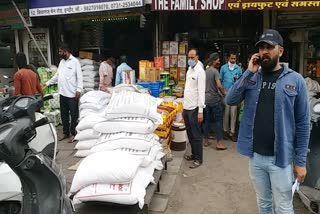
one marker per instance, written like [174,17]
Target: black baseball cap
[272,37]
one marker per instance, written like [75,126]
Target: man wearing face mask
[229,73]
[275,127]
[70,85]
[193,104]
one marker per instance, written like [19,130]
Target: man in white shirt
[70,85]
[194,103]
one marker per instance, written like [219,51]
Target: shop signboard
[273,5]
[63,7]
[183,5]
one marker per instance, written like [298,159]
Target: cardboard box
[183,48]
[129,77]
[174,47]
[166,61]
[159,62]
[152,75]
[174,73]
[182,74]
[88,55]
[182,61]
[142,69]
[173,61]
[165,47]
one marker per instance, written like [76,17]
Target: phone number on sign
[126,4]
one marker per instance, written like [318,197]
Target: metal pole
[30,33]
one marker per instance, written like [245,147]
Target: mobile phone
[257,61]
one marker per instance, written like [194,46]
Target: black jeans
[69,106]
[194,133]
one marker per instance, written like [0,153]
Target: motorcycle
[27,151]
[309,190]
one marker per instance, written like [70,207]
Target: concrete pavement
[220,186]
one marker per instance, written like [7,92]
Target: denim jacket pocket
[290,93]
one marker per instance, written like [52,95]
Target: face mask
[231,66]
[191,62]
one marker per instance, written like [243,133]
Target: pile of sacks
[92,105]
[122,160]
[90,72]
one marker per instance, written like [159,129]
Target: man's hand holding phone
[254,63]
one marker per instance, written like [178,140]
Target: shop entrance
[218,31]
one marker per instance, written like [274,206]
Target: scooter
[309,190]
[42,182]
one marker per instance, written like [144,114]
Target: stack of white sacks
[92,105]
[123,158]
[90,72]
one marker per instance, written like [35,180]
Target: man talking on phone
[275,127]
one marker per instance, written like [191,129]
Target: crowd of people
[274,130]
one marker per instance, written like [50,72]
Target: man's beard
[62,56]
[270,64]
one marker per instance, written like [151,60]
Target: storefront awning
[62,7]
[196,5]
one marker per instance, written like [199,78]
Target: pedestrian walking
[275,127]
[229,73]
[213,113]
[25,80]
[194,103]
[70,85]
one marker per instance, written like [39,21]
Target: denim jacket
[291,115]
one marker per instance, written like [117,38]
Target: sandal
[188,157]
[195,164]
[221,148]
[206,144]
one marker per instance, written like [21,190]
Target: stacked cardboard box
[175,59]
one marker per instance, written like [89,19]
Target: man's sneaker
[226,136]
[234,138]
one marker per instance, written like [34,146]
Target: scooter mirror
[316,108]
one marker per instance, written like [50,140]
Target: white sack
[89,121]
[82,153]
[55,102]
[89,75]
[86,112]
[87,62]
[95,97]
[132,104]
[92,67]
[106,168]
[86,145]
[90,79]
[152,156]
[90,85]
[134,124]
[93,106]
[108,142]
[87,134]
[125,193]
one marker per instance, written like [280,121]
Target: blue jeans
[272,185]
[213,113]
